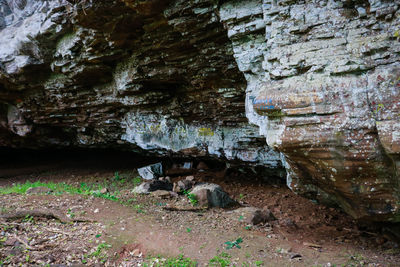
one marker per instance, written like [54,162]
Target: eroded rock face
[320,79]
[139,75]
[323,86]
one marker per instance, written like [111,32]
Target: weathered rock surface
[320,78]
[126,74]
[152,186]
[211,195]
[151,171]
[323,86]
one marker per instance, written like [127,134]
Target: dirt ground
[87,230]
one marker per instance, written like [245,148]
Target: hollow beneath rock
[303,234]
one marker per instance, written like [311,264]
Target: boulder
[151,171]
[212,195]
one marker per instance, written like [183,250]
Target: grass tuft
[58,189]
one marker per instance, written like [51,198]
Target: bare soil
[138,228]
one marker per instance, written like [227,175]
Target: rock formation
[323,85]
[310,83]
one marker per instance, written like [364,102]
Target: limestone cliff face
[318,80]
[323,86]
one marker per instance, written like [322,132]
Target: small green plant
[241,197]
[137,181]
[248,227]
[356,260]
[28,218]
[188,229]
[241,218]
[222,260]
[99,252]
[232,244]
[258,263]
[116,176]
[397,35]
[70,214]
[179,261]
[192,197]
[58,188]
[138,208]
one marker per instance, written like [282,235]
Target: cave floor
[125,229]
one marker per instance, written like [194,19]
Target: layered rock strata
[152,75]
[318,78]
[323,86]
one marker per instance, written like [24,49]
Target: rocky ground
[120,228]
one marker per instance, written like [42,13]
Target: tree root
[176,208]
[40,213]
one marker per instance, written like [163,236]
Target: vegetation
[220,260]
[232,244]
[179,261]
[59,188]
[192,197]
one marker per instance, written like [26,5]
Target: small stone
[255,216]
[136,253]
[104,190]
[163,194]
[182,185]
[202,166]
[165,179]
[190,178]
[288,223]
[380,240]
[10,242]
[96,211]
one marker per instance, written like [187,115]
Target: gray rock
[151,186]
[254,216]
[182,185]
[165,179]
[163,194]
[38,190]
[151,171]
[212,195]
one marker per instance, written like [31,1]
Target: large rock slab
[132,75]
[323,86]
